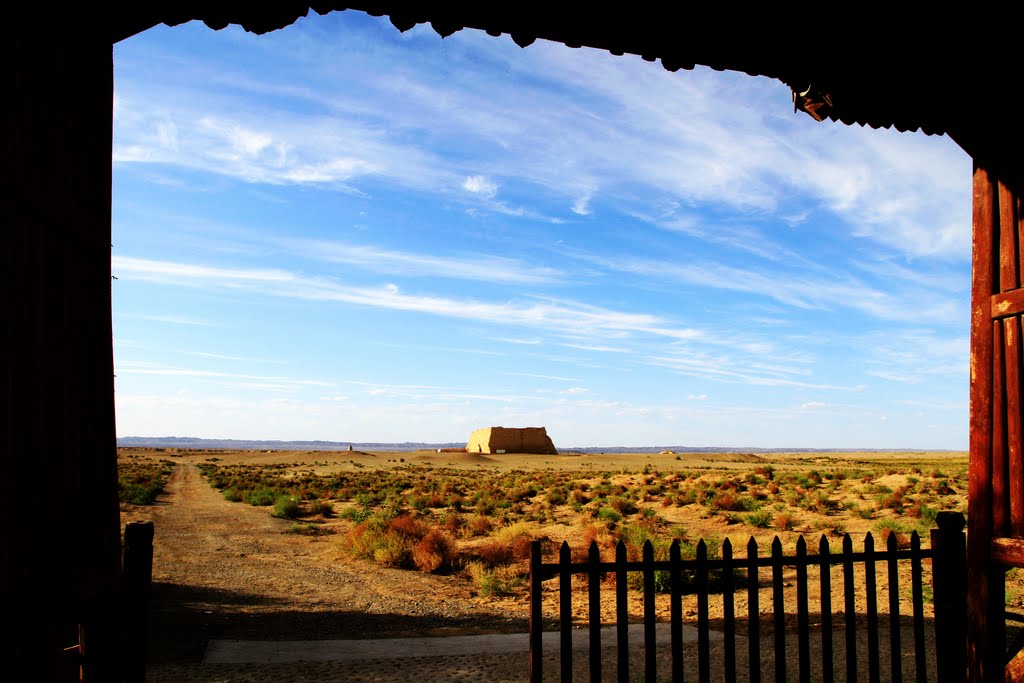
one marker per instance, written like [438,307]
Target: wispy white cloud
[792,288]
[556,314]
[551,377]
[594,124]
[481,267]
[594,347]
[170,319]
[275,381]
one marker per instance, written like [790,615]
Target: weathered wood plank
[1007,304]
[1000,467]
[1009,256]
[1014,453]
[1014,670]
[1008,552]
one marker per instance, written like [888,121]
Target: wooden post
[949,588]
[536,621]
[980,502]
[137,579]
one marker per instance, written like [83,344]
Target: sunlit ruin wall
[511,440]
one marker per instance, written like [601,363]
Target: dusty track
[224,570]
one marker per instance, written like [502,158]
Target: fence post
[137,577]
[949,587]
[536,622]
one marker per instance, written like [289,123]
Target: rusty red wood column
[996,495]
[980,498]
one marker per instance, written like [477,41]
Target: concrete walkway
[284,651]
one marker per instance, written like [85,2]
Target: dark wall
[61,539]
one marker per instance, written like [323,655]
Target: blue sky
[339,231]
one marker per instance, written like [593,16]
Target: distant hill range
[262,445]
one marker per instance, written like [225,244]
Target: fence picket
[703,625]
[917,593]
[895,645]
[650,647]
[536,623]
[803,627]
[825,588]
[850,609]
[676,610]
[565,611]
[728,609]
[870,588]
[621,613]
[594,608]
[753,613]
[779,612]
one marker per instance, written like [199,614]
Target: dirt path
[225,570]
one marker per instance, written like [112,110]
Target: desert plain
[315,545]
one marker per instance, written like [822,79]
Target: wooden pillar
[996,488]
[60,566]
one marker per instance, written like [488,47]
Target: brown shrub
[479,525]
[435,551]
[404,525]
[494,553]
[785,521]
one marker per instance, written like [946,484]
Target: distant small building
[511,440]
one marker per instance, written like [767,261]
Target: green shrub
[762,519]
[355,514]
[261,497]
[321,507]
[233,495]
[286,507]
[497,581]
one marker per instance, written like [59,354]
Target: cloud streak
[581,317]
